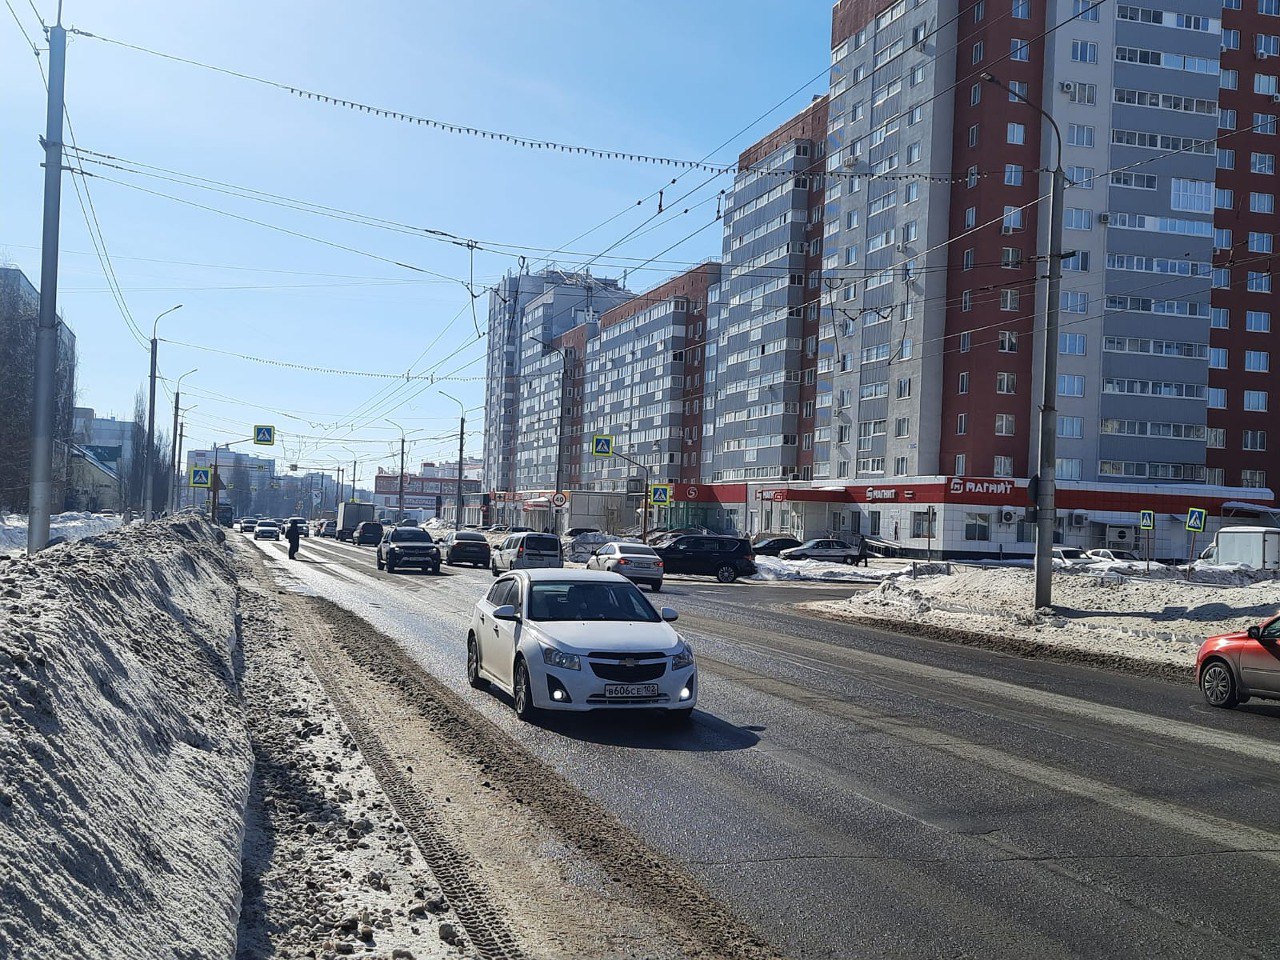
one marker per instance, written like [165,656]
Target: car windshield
[635,550]
[542,544]
[551,600]
[410,535]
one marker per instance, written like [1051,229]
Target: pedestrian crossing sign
[601,446]
[1195,519]
[264,436]
[200,477]
[660,494]
[1147,519]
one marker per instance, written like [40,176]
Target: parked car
[406,547]
[521,530]
[301,524]
[579,640]
[465,546]
[266,530]
[1114,556]
[327,528]
[772,546]
[369,532]
[837,551]
[635,561]
[725,558]
[1071,558]
[248,524]
[525,551]
[499,528]
[579,531]
[1233,667]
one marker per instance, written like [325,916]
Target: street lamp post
[1045,482]
[148,481]
[400,504]
[174,469]
[462,436]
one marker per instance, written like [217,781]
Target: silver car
[635,561]
[526,551]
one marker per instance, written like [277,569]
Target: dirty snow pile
[774,568]
[69,526]
[124,756]
[1161,621]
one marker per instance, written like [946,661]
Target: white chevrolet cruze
[557,639]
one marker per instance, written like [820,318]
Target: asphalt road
[854,793]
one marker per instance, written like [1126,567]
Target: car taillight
[621,562]
[659,562]
[520,552]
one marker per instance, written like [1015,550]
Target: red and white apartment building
[865,357]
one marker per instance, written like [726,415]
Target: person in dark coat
[294,536]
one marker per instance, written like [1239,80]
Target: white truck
[1259,547]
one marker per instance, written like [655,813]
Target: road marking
[1200,737]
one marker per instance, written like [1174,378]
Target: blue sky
[662,78]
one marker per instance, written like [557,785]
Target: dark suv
[369,532]
[465,546]
[408,547]
[725,558]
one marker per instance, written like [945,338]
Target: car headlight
[683,657]
[558,658]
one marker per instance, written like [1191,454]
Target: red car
[1232,667]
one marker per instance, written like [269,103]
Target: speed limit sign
[559,499]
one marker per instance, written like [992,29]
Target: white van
[1259,547]
[526,551]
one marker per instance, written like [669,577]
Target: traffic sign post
[1196,517]
[601,445]
[201,477]
[264,435]
[1147,523]
[558,500]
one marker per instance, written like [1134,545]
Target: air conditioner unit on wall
[1079,519]
[1008,516]
[1068,86]
[1123,535]
[1104,218]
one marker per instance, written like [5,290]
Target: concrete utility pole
[400,504]
[41,494]
[462,437]
[174,468]
[182,474]
[1045,483]
[148,470]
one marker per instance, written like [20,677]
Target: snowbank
[774,568]
[124,761]
[69,526]
[1161,621]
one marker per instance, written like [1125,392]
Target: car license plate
[631,690]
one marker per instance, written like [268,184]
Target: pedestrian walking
[294,536]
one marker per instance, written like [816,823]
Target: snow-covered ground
[124,760]
[69,526]
[1157,620]
[773,568]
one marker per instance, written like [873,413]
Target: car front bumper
[413,559]
[585,691]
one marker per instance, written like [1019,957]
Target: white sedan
[557,639]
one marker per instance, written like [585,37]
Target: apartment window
[1073,302]
[1257,361]
[1082,51]
[1080,135]
[909,230]
[1262,163]
[1194,196]
[1068,468]
[1015,133]
[1085,9]
[1217,358]
[975,94]
[1004,424]
[1019,49]
[1009,301]
[1012,218]
[976,55]
[1226,159]
[924,524]
[1071,344]
[1229,79]
[979,11]
[1215,476]
[915,116]
[1259,282]
[904,388]
[899,466]
[1264,123]
[977,526]
[1255,401]
[842,468]
[1226,119]
[1071,428]
[1070,385]
[966,259]
[1002,467]
[1219,318]
[963,385]
[965,342]
[1013,174]
[1262,202]
[1022,9]
[960,465]
[1259,242]
[1215,438]
[1224,199]
[1230,39]
[1264,84]
[966,300]
[1257,321]
[913,153]
[911,193]
[1008,341]
[1078,218]
[902,427]
[1253,478]
[973,135]
[1076,262]
[1215,398]
[1006,382]
[962,424]
[1255,440]
[1081,178]
[1085,93]
[917,75]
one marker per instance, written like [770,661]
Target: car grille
[625,673]
[634,701]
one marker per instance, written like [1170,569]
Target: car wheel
[476,681]
[1218,684]
[850,559]
[449,562]
[435,569]
[656,586]
[525,709]
[391,565]
[726,574]
[380,563]
[494,568]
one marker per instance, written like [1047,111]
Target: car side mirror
[506,612]
[670,615]
[1255,633]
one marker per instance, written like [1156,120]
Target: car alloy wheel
[391,566]
[476,681]
[849,559]
[525,709]
[1218,685]
[380,563]
[726,574]
[494,568]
